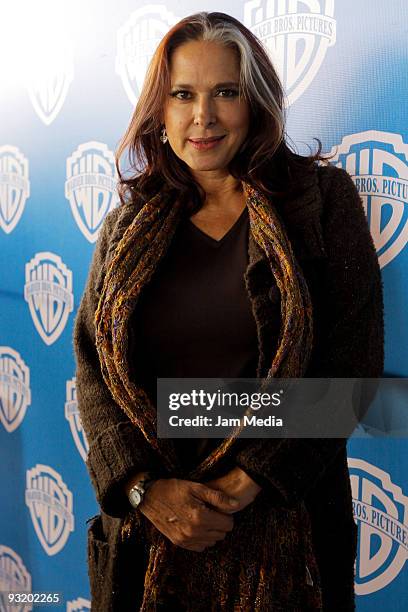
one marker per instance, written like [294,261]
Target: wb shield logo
[73,417]
[15,394]
[91,186]
[79,605]
[377,162]
[51,73]
[137,40]
[13,577]
[381,510]
[297,34]
[48,291]
[14,186]
[50,505]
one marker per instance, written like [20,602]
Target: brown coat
[331,240]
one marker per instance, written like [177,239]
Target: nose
[204,111]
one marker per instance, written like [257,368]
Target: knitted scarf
[262,560]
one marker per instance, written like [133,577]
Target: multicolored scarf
[255,567]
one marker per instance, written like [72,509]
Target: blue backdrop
[70,75]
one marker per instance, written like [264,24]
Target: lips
[205,140]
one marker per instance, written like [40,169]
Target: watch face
[135,498]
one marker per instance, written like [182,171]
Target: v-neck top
[194,318]
[213,242]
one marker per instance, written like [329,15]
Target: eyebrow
[218,85]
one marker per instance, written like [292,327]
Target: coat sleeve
[117,449]
[349,342]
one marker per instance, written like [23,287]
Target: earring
[164,137]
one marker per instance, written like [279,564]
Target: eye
[175,94]
[232,93]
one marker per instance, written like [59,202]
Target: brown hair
[264,160]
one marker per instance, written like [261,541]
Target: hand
[238,484]
[202,513]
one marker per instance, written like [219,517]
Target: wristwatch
[137,492]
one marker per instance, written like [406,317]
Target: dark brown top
[194,319]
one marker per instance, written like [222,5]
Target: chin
[207,167]
[207,164]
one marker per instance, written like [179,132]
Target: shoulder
[115,224]
[122,213]
[333,215]
[318,189]
[334,182]
[113,227]
[346,230]
[132,201]
[342,204]
[118,220]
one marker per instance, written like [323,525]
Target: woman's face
[203,103]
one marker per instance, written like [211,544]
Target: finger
[199,546]
[212,519]
[216,534]
[215,498]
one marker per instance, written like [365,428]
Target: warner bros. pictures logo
[377,163]
[79,605]
[51,75]
[381,510]
[137,41]
[296,40]
[74,419]
[48,291]
[50,504]
[14,186]
[15,577]
[91,186]
[15,393]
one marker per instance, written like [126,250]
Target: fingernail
[233,501]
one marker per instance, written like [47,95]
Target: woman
[235,259]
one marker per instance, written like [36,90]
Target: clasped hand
[200,513]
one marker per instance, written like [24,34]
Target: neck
[219,189]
